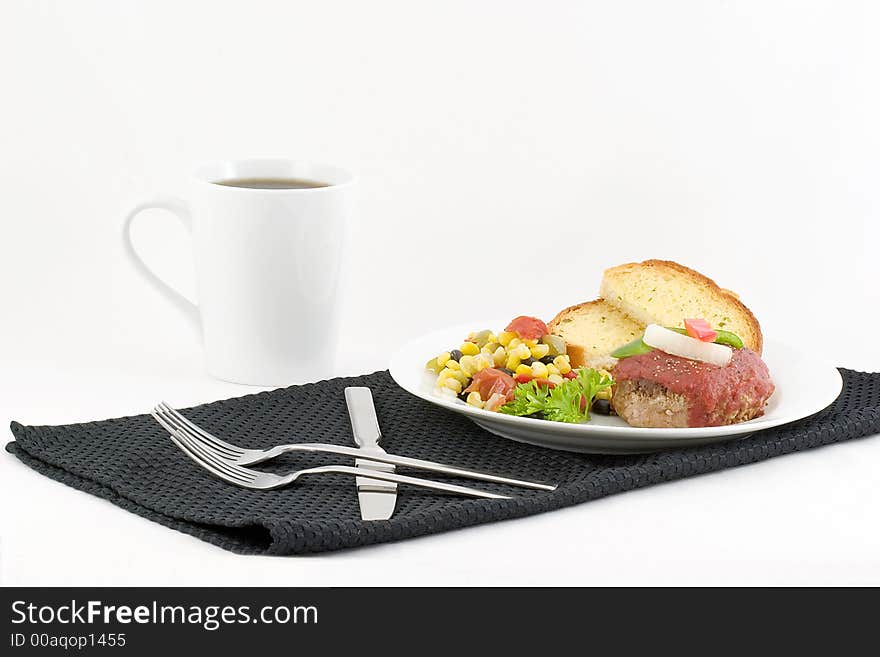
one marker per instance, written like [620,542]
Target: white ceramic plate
[803,387]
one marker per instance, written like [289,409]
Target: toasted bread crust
[578,324]
[581,355]
[576,353]
[565,312]
[710,286]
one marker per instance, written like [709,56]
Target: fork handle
[395,478]
[404,461]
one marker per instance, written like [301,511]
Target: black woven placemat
[132,462]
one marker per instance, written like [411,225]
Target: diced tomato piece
[525,378]
[700,329]
[492,381]
[583,403]
[570,375]
[528,328]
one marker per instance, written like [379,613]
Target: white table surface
[804,518]
[738,138]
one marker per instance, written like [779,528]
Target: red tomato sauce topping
[714,394]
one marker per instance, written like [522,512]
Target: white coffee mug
[267,266]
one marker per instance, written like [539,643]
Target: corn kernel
[539,370]
[604,394]
[540,350]
[432,365]
[467,364]
[522,352]
[490,347]
[524,370]
[552,369]
[505,337]
[469,348]
[512,362]
[443,358]
[453,384]
[453,365]
[530,343]
[562,363]
[499,357]
[461,376]
[474,399]
[483,362]
[513,344]
[555,378]
[444,376]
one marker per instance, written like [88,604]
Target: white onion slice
[687,347]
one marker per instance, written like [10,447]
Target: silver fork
[241,456]
[254,479]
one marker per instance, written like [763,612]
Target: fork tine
[206,455]
[192,437]
[196,459]
[215,460]
[214,441]
[219,445]
[205,458]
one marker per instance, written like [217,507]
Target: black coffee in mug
[272,183]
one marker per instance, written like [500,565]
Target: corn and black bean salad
[516,357]
[487,368]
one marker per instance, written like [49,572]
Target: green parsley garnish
[569,401]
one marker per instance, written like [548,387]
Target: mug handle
[179,209]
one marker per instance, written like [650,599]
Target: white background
[508,152]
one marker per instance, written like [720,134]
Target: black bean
[455,355]
[548,360]
[507,371]
[528,361]
[602,407]
[463,396]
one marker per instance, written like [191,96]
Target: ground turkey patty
[660,390]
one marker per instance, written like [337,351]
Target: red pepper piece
[700,329]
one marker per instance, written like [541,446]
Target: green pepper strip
[723,337]
[633,348]
[638,345]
